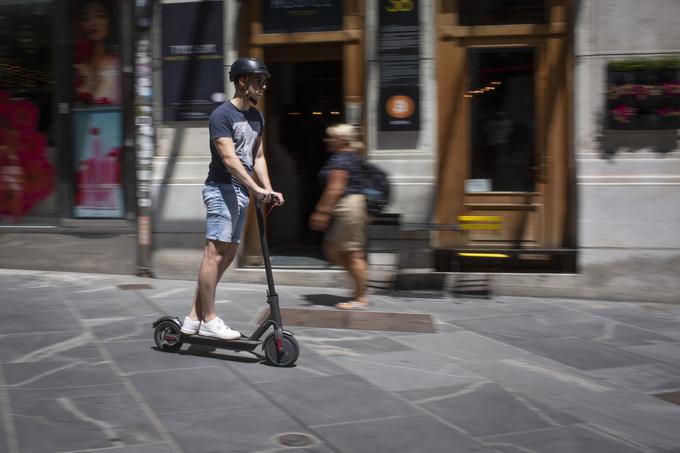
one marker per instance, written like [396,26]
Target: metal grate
[294,439]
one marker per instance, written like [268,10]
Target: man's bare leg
[217,257]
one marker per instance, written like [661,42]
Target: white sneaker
[218,329]
[190,327]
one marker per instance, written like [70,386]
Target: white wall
[629,203]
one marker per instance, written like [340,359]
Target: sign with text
[291,16]
[193,59]
[399,62]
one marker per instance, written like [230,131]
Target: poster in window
[96,62]
[97,142]
[97,111]
[193,59]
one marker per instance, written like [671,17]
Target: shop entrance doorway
[303,99]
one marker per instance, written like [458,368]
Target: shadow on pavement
[328,300]
[200,351]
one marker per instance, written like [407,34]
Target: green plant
[627,65]
[634,64]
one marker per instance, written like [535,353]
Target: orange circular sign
[400,106]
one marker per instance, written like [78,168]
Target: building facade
[473,108]
[467,107]
[67,136]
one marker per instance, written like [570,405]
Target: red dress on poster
[26,174]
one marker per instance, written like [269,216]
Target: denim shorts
[226,206]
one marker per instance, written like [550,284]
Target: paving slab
[408,370]
[195,390]
[563,439]
[38,346]
[508,374]
[614,333]
[486,409]
[85,422]
[582,354]
[511,329]
[336,399]
[416,433]
[245,429]
[648,378]
[664,352]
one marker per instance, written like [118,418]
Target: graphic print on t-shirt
[243,128]
[245,135]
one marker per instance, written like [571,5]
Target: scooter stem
[265,250]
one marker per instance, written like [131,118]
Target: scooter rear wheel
[168,336]
[290,350]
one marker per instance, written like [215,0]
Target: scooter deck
[243,343]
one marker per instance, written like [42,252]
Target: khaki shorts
[348,226]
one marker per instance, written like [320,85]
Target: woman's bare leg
[358,269]
[331,251]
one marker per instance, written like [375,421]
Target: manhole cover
[294,439]
[134,286]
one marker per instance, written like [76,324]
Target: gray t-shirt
[244,128]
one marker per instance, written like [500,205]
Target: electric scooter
[280,347]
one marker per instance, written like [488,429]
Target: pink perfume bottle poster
[98,142]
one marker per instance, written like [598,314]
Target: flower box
[643,94]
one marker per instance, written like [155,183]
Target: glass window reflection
[502,12]
[502,124]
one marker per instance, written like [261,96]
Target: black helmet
[246,66]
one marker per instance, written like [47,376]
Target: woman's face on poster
[95,21]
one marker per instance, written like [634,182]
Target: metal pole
[144,133]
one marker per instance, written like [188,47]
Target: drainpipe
[144,133]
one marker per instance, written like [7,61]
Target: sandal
[352,305]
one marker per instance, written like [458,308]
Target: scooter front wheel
[290,350]
[168,336]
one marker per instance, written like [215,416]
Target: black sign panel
[399,61]
[193,63]
[289,16]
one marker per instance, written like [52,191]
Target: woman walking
[341,209]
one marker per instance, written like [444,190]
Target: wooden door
[503,140]
[344,46]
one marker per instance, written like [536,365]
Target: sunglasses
[261,82]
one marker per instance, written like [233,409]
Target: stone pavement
[79,372]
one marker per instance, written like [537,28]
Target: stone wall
[628,181]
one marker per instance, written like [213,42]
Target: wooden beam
[262,39]
[458,32]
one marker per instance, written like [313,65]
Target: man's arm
[225,146]
[262,173]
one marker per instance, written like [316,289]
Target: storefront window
[503,124]
[97,111]
[27,153]
[502,12]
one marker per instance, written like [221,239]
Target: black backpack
[376,188]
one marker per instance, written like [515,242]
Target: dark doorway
[502,87]
[303,99]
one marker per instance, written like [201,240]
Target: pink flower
[623,113]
